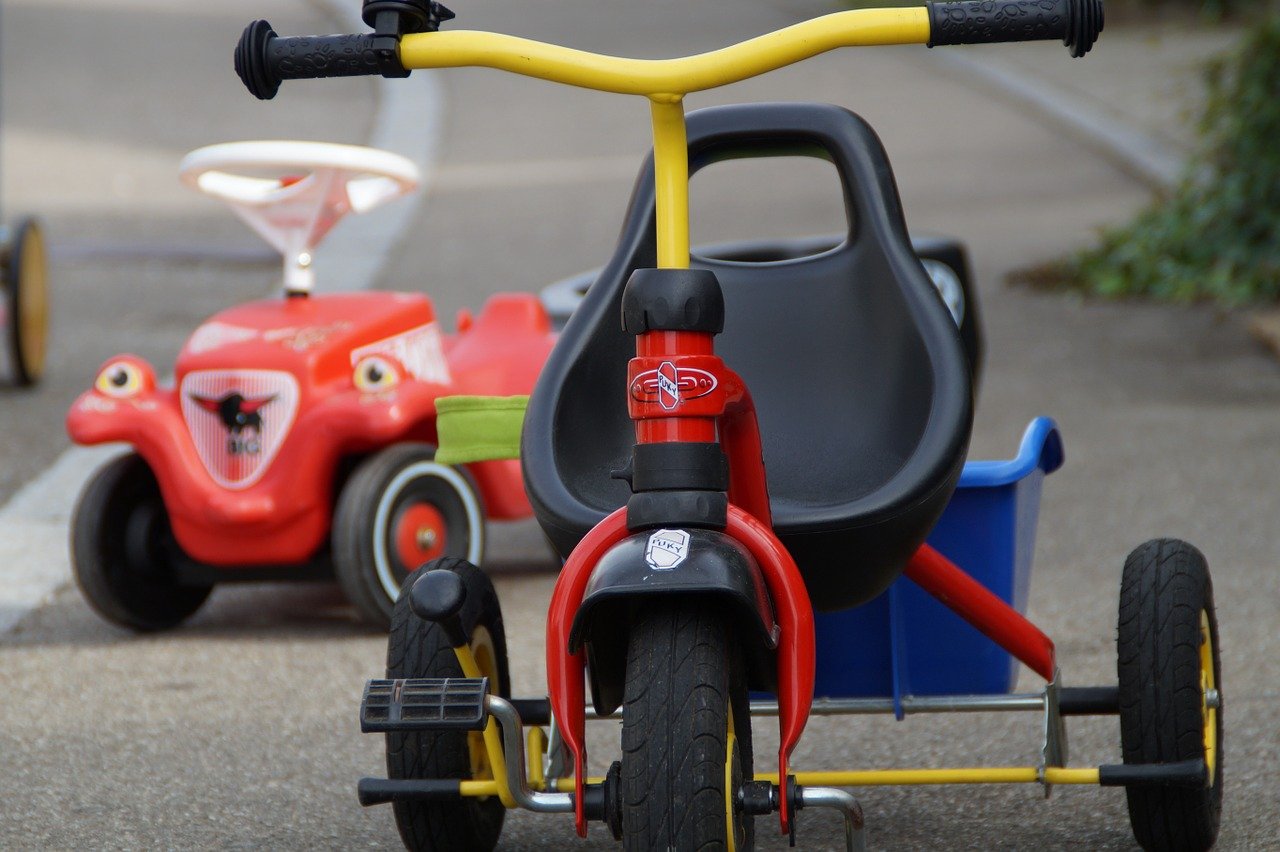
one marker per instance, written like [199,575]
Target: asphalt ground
[239,729]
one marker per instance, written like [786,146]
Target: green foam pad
[479,428]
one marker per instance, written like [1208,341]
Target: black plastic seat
[855,365]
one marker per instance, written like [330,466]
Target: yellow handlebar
[665,77]
[666,81]
[263,60]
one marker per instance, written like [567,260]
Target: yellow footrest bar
[973,775]
[873,778]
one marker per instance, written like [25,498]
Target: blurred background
[1086,183]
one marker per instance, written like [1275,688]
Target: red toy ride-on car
[297,437]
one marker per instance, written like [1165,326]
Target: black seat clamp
[672,300]
[700,509]
[678,466]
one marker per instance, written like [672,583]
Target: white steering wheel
[293,193]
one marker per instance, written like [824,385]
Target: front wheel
[686,732]
[400,509]
[420,649]
[1169,673]
[123,552]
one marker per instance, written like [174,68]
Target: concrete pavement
[239,729]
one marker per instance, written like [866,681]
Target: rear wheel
[123,552]
[24,268]
[686,732]
[418,649]
[400,509]
[1168,670]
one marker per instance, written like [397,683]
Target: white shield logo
[666,549]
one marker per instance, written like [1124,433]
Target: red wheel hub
[420,535]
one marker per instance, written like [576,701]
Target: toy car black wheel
[24,267]
[1170,691]
[686,732]
[123,552]
[420,649]
[400,509]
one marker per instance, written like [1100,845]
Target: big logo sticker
[238,420]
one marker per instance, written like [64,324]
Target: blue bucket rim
[1041,449]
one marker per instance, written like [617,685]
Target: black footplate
[424,704]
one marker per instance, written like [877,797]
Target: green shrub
[1216,236]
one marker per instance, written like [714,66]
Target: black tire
[378,503]
[417,648]
[24,267]
[123,552]
[1166,617]
[682,678]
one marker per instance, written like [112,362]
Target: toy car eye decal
[119,379]
[375,373]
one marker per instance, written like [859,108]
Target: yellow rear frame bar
[913,777]
[970,775]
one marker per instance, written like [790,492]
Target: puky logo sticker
[669,386]
[666,549]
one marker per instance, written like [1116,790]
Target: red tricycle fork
[931,570]
[714,401]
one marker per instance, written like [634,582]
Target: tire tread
[1165,587]
[417,648]
[680,680]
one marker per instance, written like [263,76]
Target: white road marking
[33,532]
[1139,154]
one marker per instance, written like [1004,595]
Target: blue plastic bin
[906,643]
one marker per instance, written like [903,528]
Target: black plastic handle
[438,595]
[1076,22]
[263,59]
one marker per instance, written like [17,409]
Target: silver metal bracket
[557,763]
[1054,752]
[855,839]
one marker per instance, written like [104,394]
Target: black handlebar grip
[263,59]
[1076,22]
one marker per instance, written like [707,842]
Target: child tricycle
[298,437]
[24,299]
[688,594]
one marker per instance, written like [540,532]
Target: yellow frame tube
[566,785]
[480,789]
[972,775]
[536,749]
[897,777]
[492,739]
[858,27]
[671,182]
[887,778]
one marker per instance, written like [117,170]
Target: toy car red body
[297,432]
